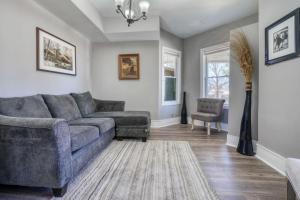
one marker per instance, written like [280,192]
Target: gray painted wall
[146,93]
[237,85]
[18,75]
[138,94]
[171,41]
[191,60]
[279,93]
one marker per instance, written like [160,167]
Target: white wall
[170,41]
[279,93]
[237,85]
[18,75]
[138,94]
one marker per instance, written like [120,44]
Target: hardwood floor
[234,176]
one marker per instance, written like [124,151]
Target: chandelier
[129,13]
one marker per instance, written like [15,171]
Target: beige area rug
[131,170]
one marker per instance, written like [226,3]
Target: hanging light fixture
[128,12]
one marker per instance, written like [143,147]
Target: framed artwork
[129,66]
[54,54]
[282,39]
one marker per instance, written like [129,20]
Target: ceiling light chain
[128,14]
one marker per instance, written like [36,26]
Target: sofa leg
[290,191]
[60,192]
[119,138]
[144,139]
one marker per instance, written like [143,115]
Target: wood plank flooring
[234,176]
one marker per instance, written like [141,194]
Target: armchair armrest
[34,152]
[109,106]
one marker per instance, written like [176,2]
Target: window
[171,83]
[216,72]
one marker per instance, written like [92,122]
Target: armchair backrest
[208,105]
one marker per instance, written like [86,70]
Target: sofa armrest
[35,152]
[109,106]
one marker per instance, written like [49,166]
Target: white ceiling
[185,18]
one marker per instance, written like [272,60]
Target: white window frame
[203,73]
[178,76]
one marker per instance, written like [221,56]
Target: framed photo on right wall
[282,39]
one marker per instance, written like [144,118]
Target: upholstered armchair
[208,111]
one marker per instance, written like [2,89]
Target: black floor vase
[245,146]
[183,111]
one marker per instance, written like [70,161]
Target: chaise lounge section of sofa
[134,124]
[46,140]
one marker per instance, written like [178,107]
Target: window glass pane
[218,88]
[170,76]
[170,89]
[217,72]
[169,72]
[215,69]
[170,61]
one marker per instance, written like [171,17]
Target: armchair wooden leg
[193,124]
[219,127]
[208,128]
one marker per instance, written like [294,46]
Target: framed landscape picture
[129,67]
[282,39]
[54,54]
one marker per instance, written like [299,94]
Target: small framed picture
[282,39]
[129,66]
[54,54]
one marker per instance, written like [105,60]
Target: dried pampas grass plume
[242,54]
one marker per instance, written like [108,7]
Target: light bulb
[144,6]
[119,3]
[127,13]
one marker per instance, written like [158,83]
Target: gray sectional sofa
[45,140]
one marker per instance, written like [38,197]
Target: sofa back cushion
[210,105]
[30,106]
[85,103]
[62,106]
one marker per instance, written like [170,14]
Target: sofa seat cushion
[62,106]
[85,102]
[293,174]
[30,106]
[104,124]
[127,118]
[82,135]
[206,117]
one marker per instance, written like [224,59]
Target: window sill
[170,103]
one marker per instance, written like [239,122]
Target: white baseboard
[233,141]
[165,122]
[272,159]
[264,154]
